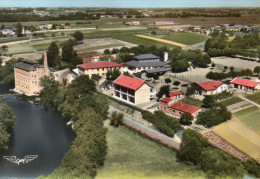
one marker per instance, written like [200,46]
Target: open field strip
[161,40]
[64,30]
[241,136]
[250,116]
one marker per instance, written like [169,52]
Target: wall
[100,71]
[142,95]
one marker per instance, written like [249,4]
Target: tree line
[220,45]
[190,14]
[16,17]
[6,125]
[87,109]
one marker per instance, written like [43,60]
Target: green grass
[22,48]
[250,116]
[187,38]
[133,156]
[255,97]
[230,101]
[128,36]
[192,101]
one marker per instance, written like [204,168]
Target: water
[130,3]
[38,131]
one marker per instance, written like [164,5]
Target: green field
[250,116]
[126,35]
[192,101]
[230,101]
[187,38]
[133,156]
[255,97]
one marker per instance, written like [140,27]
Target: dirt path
[161,40]
[64,30]
[250,101]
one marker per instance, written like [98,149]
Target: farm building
[143,62]
[244,84]
[99,68]
[131,90]
[163,23]
[178,108]
[211,87]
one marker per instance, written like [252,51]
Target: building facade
[28,74]
[131,90]
[99,68]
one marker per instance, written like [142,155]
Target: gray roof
[149,63]
[30,65]
[157,70]
[146,56]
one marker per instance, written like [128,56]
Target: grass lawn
[230,101]
[133,156]
[255,97]
[250,116]
[192,101]
[126,35]
[187,38]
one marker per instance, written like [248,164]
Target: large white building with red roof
[211,87]
[244,84]
[131,90]
[168,105]
[99,68]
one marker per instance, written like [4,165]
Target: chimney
[166,56]
[45,63]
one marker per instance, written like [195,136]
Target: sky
[130,3]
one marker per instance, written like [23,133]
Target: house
[28,74]
[167,105]
[211,87]
[175,95]
[131,90]
[132,23]
[244,84]
[99,68]
[143,62]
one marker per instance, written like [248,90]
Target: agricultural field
[161,40]
[133,156]
[250,116]
[187,38]
[192,101]
[231,101]
[241,136]
[255,97]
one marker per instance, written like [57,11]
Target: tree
[68,54]
[209,101]
[116,119]
[78,35]
[19,29]
[191,90]
[168,80]
[213,65]
[231,68]
[225,67]
[112,75]
[4,48]
[257,70]
[186,119]
[53,55]
[164,90]
[180,65]
[153,32]
[107,52]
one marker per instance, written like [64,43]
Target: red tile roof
[129,82]
[103,64]
[166,100]
[244,82]
[210,85]
[175,93]
[184,107]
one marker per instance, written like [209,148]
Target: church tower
[45,63]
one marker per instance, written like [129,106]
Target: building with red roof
[211,87]
[164,104]
[175,94]
[179,108]
[131,90]
[244,84]
[99,68]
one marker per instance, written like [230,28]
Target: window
[98,69]
[132,100]
[117,94]
[124,97]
